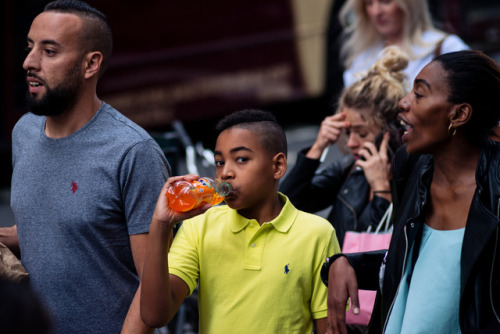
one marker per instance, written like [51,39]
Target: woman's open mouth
[406,126]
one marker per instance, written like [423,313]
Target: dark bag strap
[439,45]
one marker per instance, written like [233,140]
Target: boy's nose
[226,172]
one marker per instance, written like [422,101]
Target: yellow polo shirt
[255,279]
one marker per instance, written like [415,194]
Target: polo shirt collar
[281,223]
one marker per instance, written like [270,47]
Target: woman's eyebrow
[423,82]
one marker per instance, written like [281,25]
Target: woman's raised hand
[376,164]
[329,133]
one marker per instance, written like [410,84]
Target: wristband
[381,191]
[326,267]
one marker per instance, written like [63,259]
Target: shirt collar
[282,223]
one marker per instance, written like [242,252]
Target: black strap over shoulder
[439,46]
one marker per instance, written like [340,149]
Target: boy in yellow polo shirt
[257,260]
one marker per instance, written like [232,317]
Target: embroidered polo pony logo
[74,187]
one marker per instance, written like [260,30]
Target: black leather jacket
[480,258]
[348,194]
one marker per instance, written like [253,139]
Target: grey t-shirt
[76,200]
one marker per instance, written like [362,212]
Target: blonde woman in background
[371,25]
[358,186]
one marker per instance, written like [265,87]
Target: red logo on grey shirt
[74,187]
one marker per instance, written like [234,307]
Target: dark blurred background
[191,62]
[194,61]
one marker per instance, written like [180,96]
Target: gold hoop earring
[454,131]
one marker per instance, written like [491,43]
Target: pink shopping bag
[355,242]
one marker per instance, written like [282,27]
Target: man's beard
[59,99]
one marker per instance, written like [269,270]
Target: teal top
[430,304]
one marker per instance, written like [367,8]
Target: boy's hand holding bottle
[183,197]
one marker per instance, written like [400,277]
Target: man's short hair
[262,123]
[96,34]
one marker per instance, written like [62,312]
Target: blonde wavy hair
[376,95]
[360,34]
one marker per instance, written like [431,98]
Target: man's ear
[93,62]
[279,165]
[460,114]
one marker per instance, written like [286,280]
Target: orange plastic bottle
[184,196]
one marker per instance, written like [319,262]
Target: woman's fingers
[384,145]
[342,284]
[329,133]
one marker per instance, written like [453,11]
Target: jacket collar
[483,217]
[485,207]
[282,223]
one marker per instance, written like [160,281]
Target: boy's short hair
[265,126]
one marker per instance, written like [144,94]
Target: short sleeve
[183,258]
[320,291]
[143,173]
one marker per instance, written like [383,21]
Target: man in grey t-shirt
[85,179]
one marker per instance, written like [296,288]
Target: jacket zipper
[493,266]
[399,285]
[350,208]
